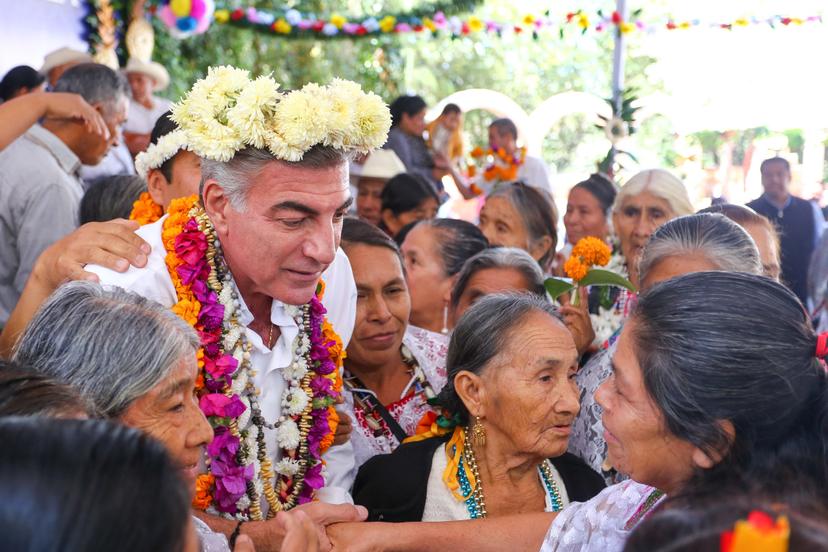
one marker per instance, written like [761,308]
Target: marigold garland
[145,210]
[241,468]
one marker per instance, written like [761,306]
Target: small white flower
[287,466]
[243,503]
[296,371]
[287,435]
[297,402]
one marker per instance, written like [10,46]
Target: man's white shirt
[154,282]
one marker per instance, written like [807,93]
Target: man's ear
[216,205]
[157,186]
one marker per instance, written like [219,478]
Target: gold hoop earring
[478,433]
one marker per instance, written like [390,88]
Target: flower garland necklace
[241,471]
[145,210]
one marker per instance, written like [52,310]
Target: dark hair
[95,83]
[357,231]
[111,197]
[602,188]
[780,160]
[24,392]
[537,210]
[699,527]
[74,485]
[163,126]
[18,78]
[410,105]
[450,108]
[457,241]
[481,334]
[500,257]
[504,125]
[405,192]
[739,348]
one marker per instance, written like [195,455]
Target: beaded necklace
[476,502]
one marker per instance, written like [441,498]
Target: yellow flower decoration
[429,24]
[528,20]
[221,16]
[575,269]
[338,21]
[475,24]
[388,23]
[741,22]
[282,26]
[626,27]
[583,20]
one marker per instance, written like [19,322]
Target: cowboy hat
[383,164]
[62,56]
[152,69]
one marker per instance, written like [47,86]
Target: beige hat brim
[155,71]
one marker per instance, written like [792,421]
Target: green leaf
[556,287]
[599,277]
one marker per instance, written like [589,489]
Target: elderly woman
[434,252]
[512,397]
[519,215]
[687,244]
[390,373]
[648,200]
[696,408]
[135,361]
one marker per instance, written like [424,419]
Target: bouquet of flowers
[587,253]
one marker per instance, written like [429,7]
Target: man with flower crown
[247,263]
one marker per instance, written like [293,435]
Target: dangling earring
[478,433]
[445,329]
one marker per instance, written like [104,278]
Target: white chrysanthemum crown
[227,111]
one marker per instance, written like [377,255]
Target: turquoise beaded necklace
[475,503]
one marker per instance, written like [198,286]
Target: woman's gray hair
[110,344]
[500,257]
[482,334]
[235,176]
[725,244]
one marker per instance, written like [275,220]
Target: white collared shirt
[154,282]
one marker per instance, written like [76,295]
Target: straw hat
[152,69]
[383,164]
[62,56]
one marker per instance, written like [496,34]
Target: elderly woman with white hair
[693,243]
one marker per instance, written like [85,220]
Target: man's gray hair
[482,334]
[95,83]
[235,176]
[112,345]
[500,257]
[725,244]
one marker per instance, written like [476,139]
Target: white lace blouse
[603,523]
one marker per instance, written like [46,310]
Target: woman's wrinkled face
[427,281]
[383,305]
[502,224]
[768,249]
[584,216]
[638,441]
[635,221]
[486,282]
[169,412]
[529,394]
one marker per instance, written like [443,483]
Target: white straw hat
[154,70]
[382,163]
[62,56]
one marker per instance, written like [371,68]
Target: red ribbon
[822,345]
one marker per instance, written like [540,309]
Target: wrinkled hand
[578,321]
[300,532]
[112,244]
[345,426]
[323,515]
[64,105]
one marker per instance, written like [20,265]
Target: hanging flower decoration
[587,253]
[186,18]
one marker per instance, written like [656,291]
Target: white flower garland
[159,153]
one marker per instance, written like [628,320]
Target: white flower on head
[287,466]
[372,121]
[297,401]
[287,435]
[159,153]
[254,109]
[301,117]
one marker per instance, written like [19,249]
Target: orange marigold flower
[575,269]
[188,310]
[592,251]
[471,171]
[478,152]
[145,210]
[333,423]
[204,491]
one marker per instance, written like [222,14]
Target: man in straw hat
[254,264]
[58,61]
[145,108]
[379,168]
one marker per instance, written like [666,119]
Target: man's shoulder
[152,281]
[28,154]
